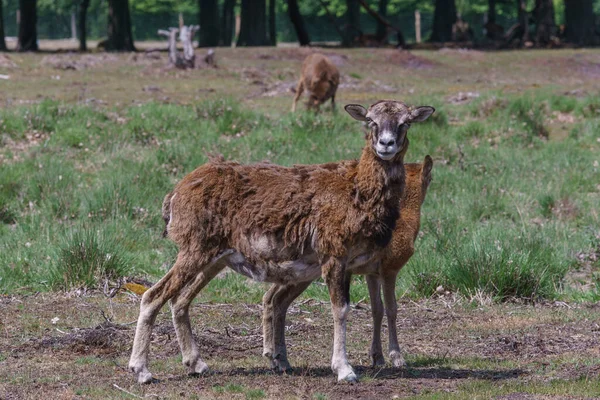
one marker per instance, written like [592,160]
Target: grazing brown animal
[282,225]
[277,300]
[320,78]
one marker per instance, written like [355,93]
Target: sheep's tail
[166,211]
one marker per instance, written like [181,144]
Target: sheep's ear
[357,112]
[420,114]
[427,166]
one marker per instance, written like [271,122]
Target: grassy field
[89,145]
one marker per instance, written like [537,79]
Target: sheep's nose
[387,142]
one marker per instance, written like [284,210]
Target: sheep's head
[388,122]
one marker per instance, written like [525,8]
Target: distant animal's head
[388,122]
[323,87]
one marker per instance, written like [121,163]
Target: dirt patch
[578,64]
[406,59]
[565,209]
[463,53]
[365,85]
[300,53]
[447,344]
[78,62]
[19,147]
[7,62]
[462,97]
[105,338]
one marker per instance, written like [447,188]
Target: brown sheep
[281,225]
[395,256]
[320,78]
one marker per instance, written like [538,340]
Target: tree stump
[187,59]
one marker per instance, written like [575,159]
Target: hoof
[350,378]
[267,352]
[281,365]
[200,369]
[345,373]
[397,360]
[378,360]
[144,377]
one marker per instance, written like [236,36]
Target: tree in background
[27,40]
[444,17]
[352,28]
[2,42]
[579,22]
[209,23]
[120,37]
[81,24]
[298,23]
[545,27]
[382,29]
[272,23]
[227,23]
[253,29]
[523,20]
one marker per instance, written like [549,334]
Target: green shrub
[85,257]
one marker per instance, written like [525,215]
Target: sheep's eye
[403,127]
[368,120]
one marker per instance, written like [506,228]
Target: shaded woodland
[351,23]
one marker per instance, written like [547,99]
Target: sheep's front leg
[338,283]
[376,351]
[391,310]
[180,305]
[299,91]
[267,321]
[281,301]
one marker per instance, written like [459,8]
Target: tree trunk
[579,22]
[120,37]
[382,21]
[272,23]
[298,23]
[352,29]
[491,18]
[444,17]
[227,23]
[253,29]
[2,42]
[28,26]
[83,7]
[523,19]
[545,27]
[209,23]
[382,29]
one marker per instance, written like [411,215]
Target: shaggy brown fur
[320,78]
[282,225]
[396,255]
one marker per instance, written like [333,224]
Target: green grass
[84,204]
[581,388]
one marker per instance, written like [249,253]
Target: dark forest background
[540,23]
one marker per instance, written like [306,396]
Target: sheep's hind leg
[376,351]
[391,310]
[338,283]
[281,301]
[152,302]
[180,305]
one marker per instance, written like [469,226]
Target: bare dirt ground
[57,346]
